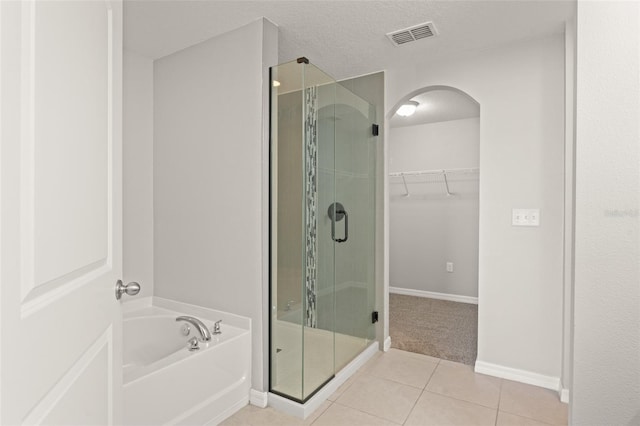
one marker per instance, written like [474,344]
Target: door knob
[130,289]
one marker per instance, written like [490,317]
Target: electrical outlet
[449,266]
[525,217]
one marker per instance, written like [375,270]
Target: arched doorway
[433,223]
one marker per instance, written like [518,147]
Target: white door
[60,212]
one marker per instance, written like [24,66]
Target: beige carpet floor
[439,328]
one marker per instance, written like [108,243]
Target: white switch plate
[525,217]
[449,266]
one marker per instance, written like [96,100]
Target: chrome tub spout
[205,334]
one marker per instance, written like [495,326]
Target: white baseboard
[257,398]
[434,295]
[564,395]
[387,344]
[522,376]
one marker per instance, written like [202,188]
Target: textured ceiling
[438,105]
[345,38]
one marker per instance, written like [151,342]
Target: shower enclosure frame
[339,213]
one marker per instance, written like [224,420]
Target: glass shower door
[322,228]
[355,157]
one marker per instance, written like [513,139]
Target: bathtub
[165,383]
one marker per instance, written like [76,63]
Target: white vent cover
[414,33]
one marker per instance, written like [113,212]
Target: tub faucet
[205,335]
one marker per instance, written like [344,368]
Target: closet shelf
[434,172]
[443,172]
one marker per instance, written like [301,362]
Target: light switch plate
[525,217]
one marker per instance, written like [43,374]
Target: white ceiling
[438,105]
[345,38]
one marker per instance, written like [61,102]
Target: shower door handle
[346,227]
[340,213]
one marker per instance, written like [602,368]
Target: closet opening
[434,152]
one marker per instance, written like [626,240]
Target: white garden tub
[165,383]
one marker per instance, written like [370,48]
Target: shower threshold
[304,410]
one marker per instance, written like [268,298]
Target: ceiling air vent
[414,33]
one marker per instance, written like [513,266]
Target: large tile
[404,367]
[340,415]
[459,381]
[381,397]
[533,402]
[438,410]
[506,419]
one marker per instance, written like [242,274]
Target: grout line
[400,383]
[350,381]
[432,374]
[499,401]
[462,400]
[367,413]
[369,373]
[414,405]
[322,413]
[526,417]
[424,389]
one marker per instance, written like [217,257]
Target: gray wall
[520,89]
[606,340]
[209,170]
[429,228]
[137,171]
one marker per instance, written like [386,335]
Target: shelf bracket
[446,183]
[406,188]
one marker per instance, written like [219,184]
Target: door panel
[60,333]
[69,78]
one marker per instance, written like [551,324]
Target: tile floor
[404,388]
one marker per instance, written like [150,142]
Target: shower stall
[322,228]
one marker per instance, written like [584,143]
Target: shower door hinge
[374,317]
[375,129]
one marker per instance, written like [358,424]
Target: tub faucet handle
[216,327]
[192,344]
